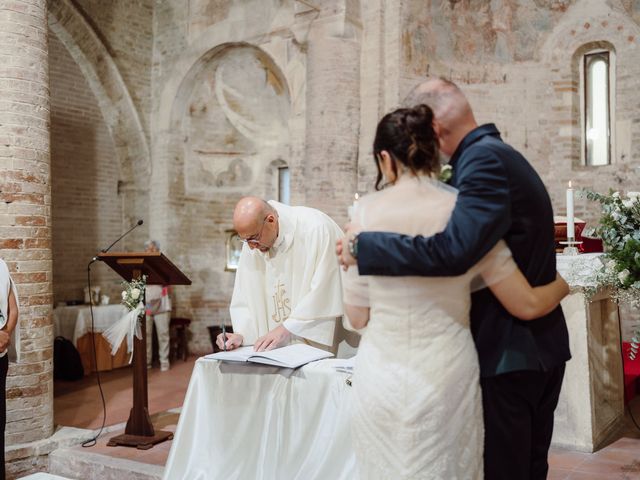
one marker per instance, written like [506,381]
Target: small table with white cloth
[74,323]
[249,421]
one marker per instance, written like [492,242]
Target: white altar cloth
[263,423]
[591,403]
[72,322]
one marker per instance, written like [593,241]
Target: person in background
[8,342]
[158,309]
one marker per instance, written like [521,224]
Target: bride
[417,410]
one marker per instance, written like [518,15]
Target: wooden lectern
[159,270]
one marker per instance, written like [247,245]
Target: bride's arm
[358,316]
[522,300]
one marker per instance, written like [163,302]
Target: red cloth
[631,373]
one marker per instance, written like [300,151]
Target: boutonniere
[446,173]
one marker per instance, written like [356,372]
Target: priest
[287,287]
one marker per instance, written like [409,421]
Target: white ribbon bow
[127,326]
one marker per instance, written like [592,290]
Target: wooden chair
[178,346]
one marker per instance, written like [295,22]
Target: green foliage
[133,292]
[619,229]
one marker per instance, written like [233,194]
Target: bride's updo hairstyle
[408,135]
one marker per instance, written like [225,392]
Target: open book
[291,356]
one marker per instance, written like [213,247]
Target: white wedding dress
[417,411]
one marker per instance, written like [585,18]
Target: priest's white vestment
[295,284]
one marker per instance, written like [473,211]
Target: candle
[352,207]
[571,231]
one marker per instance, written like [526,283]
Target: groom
[500,196]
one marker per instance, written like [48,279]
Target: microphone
[138,223]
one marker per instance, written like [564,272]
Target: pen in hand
[224,338]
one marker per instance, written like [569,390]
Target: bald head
[257,222]
[453,117]
[250,212]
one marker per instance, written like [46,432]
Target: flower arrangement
[446,173]
[619,229]
[128,326]
[133,292]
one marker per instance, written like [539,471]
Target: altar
[261,422]
[591,404]
[74,323]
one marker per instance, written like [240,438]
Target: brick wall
[86,207]
[191,207]
[126,28]
[25,220]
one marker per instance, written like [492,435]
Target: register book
[291,356]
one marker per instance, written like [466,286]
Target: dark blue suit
[500,196]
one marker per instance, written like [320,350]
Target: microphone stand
[93,441]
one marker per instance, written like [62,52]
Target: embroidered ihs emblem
[281,305]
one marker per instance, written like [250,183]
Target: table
[591,404]
[74,323]
[260,422]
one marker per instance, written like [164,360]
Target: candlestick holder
[571,247]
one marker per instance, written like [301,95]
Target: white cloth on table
[296,284]
[263,423]
[72,322]
[580,270]
[417,411]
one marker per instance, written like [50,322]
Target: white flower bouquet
[129,325]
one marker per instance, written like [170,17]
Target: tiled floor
[618,461]
[157,455]
[78,404]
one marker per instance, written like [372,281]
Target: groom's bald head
[453,117]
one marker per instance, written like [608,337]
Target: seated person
[287,286]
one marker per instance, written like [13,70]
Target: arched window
[597,108]
[284,192]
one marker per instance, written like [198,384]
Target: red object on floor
[631,373]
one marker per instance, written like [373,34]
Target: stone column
[25,212]
[332,108]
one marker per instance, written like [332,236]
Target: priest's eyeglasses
[255,239]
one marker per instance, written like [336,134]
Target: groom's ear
[437,128]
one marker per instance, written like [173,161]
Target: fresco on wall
[236,118]
[475,31]
[633,9]
[203,14]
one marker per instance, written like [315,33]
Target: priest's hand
[277,337]
[234,340]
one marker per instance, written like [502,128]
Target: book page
[241,354]
[291,356]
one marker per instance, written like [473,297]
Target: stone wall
[233,99]
[86,207]
[25,212]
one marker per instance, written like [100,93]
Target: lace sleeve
[355,288]
[494,267]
